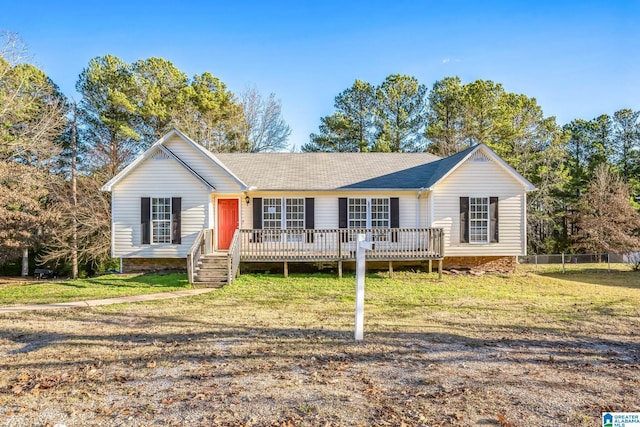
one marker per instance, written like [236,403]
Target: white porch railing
[201,246]
[233,257]
[388,244]
[319,245]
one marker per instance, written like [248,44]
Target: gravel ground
[182,363]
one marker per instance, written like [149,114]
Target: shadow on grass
[230,343]
[596,276]
[161,280]
[174,280]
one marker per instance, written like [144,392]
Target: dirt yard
[233,359]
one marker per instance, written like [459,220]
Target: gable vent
[479,156]
[159,155]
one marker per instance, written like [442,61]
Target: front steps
[211,271]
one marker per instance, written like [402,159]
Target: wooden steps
[211,271]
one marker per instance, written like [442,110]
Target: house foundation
[486,263]
[150,265]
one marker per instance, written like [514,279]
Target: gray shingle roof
[338,171]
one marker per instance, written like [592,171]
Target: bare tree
[82,223]
[32,117]
[607,222]
[265,129]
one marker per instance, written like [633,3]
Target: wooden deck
[400,244]
[321,245]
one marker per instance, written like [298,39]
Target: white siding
[156,178]
[197,161]
[481,179]
[326,206]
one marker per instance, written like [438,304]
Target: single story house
[179,205]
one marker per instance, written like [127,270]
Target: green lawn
[580,293]
[109,286]
[523,298]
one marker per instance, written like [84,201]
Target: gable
[480,175]
[204,163]
[483,159]
[159,173]
[184,153]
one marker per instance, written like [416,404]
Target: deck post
[339,269]
[286,269]
[439,269]
[430,266]
[390,269]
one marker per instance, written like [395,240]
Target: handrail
[193,256]
[202,245]
[233,256]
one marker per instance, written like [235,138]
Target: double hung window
[368,213]
[282,214]
[478,219]
[161,220]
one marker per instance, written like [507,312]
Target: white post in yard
[360,271]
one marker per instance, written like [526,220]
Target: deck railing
[392,244]
[201,246]
[233,257]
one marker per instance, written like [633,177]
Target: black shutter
[464,220]
[309,217]
[342,218]
[394,216]
[342,213]
[145,220]
[257,218]
[176,220]
[257,213]
[493,217]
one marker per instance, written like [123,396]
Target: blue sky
[578,59]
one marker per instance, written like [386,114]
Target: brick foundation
[486,263]
[148,265]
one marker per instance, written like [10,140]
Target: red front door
[227,221]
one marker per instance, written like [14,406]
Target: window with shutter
[478,219]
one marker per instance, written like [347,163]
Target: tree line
[56,152]
[587,172]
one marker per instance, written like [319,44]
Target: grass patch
[523,299]
[109,286]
